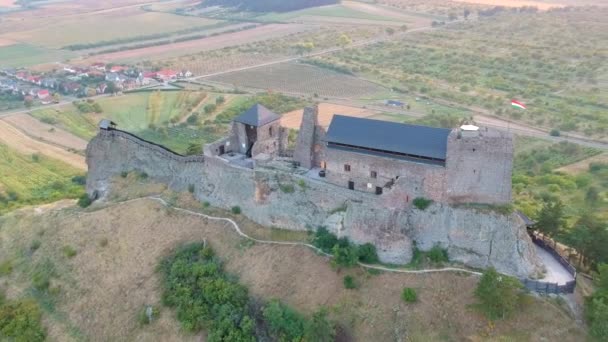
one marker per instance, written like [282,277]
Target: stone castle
[359,177]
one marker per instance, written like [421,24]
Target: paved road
[556,273]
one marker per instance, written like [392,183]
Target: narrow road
[556,273]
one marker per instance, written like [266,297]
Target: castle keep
[464,165]
[358,178]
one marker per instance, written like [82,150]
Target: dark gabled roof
[390,137]
[257,115]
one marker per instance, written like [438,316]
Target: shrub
[284,322]
[206,204]
[344,255]
[555,133]
[324,240]
[42,274]
[302,184]
[349,282]
[319,328]
[21,321]
[69,251]
[80,180]
[124,174]
[236,210]
[204,296]
[84,201]
[422,203]
[143,176]
[409,295]
[367,253]
[35,245]
[6,268]
[438,254]
[287,188]
[35,157]
[147,315]
[497,294]
[596,306]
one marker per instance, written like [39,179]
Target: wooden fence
[546,287]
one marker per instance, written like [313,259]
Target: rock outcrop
[473,237]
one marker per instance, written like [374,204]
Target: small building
[166,75]
[395,103]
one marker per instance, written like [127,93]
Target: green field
[551,61]
[22,55]
[27,180]
[69,119]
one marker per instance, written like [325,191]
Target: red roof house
[167,74]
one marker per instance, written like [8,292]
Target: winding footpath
[240,232]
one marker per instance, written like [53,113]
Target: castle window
[373,174]
[346,167]
[474,150]
[270,131]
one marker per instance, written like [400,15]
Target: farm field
[105,26]
[118,278]
[46,132]
[20,55]
[272,49]
[22,143]
[300,79]
[69,119]
[204,44]
[492,61]
[541,5]
[27,178]
[293,119]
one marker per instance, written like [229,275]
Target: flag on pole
[518,104]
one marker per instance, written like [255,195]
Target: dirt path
[326,113]
[583,165]
[19,141]
[46,133]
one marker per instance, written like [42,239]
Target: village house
[166,75]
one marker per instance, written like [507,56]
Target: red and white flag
[517,104]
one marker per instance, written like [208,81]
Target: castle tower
[304,153]
[479,165]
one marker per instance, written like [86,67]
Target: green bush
[422,203]
[204,296]
[143,176]
[6,268]
[236,210]
[84,201]
[438,254]
[124,174]
[324,240]
[284,322]
[287,188]
[35,245]
[596,306]
[21,321]
[367,253]
[69,251]
[147,315]
[206,204]
[349,282]
[80,180]
[344,255]
[497,294]
[319,328]
[42,275]
[409,295]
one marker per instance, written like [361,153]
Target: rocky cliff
[473,237]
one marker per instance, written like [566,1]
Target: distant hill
[270,5]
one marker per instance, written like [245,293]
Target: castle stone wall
[474,238]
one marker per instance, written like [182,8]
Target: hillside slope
[97,293]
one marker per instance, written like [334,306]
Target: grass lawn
[26,180]
[21,55]
[69,119]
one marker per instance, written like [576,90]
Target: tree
[592,196]
[28,102]
[56,98]
[319,328]
[550,218]
[111,88]
[345,40]
[220,100]
[497,294]
[596,306]
[284,323]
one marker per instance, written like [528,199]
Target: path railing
[547,287]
